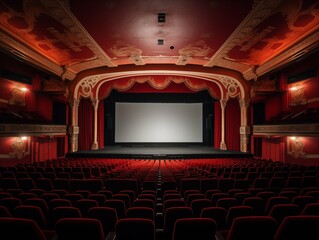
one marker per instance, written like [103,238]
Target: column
[244,129]
[95,104]
[74,128]
[223,103]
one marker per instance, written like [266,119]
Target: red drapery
[100,124]
[217,125]
[85,124]
[232,125]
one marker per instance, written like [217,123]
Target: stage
[158,152]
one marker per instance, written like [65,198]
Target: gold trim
[287,130]
[31,129]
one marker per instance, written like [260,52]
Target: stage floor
[152,152]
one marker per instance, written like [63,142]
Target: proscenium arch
[230,86]
[225,83]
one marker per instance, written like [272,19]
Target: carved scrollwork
[18,146]
[87,84]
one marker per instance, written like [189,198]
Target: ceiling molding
[291,54]
[261,10]
[61,12]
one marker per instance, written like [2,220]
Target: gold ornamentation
[298,95]
[122,49]
[296,148]
[18,147]
[197,49]
[17,96]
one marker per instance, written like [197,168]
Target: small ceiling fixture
[161,17]
[160,41]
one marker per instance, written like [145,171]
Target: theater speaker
[109,122]
[209,122]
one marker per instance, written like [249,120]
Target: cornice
[31,129]
[261,10]
[287,130]
[60,10]
[291,54]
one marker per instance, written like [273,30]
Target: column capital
[95,102]
[74,103]
[244,103]
[223,103]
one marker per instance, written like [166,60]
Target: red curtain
[100,124]
[217,125]
[232,125]
[85,124]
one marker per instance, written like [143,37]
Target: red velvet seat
[140,212]
[237,211]
[31,212]
[63,212]
[18,228]
[252,228]
[194,228]
[280,211]
[107,217]
[118,205]
[135,229]
[79,229]
[171,215]
[218,214]
[298,227]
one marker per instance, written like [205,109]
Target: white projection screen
[158,122]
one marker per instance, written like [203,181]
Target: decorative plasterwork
[159,85]
[229,86]
[17,96]
[262,9]
[287,56]
[296,148]
[298,95]
[31,56]
[31,129]
[18,147]
[87,85]
[124,50]
[197,49]
[287,130]
[62,13]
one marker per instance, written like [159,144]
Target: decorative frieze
[287,130]
[31,129]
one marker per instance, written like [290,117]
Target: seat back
[171,215]
[107,217]
[298,227]
[140,212]
[252,228]
[218,214]
[135,229]
[194,228]
[79,228]
[27,229]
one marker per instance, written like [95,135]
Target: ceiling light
[161,17]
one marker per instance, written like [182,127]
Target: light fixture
[161,17]
[160,41]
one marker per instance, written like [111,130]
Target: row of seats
[161,196]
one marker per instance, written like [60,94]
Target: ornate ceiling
[66,37]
